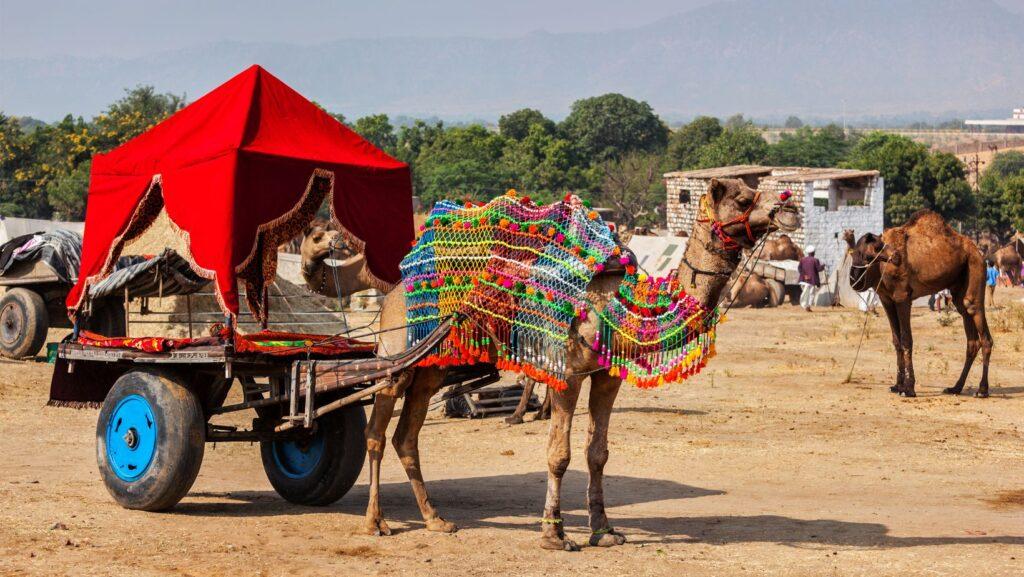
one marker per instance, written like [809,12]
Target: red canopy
[240,171]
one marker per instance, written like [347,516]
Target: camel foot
[895,389]
[610,539]
[556,544]
[377,528]
[952,390]
[981,394]
[514,420]
[542,416]
[908,394]
[441,526]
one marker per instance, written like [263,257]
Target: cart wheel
[319,470]
[107,318]
[149,440]
[23,323]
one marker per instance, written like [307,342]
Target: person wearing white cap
[810,278]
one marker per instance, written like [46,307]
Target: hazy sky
[135,27]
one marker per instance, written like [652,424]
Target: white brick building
[830,200]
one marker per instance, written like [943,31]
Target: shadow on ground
[478,502]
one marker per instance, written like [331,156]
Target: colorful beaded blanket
[654,333]
[514,275]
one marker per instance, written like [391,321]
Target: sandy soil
[769,463]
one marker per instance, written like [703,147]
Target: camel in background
[1008,258]
[781,248]
[755,293]
[349,277]
[920,258]
[743,214]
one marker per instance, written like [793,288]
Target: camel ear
[717,190]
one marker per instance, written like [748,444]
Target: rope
[867,307]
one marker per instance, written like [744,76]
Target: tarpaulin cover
[239,171]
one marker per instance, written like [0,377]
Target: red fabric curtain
[235,171]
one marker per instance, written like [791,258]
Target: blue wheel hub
[131,438]
[297,459]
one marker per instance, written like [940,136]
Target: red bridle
[718,227]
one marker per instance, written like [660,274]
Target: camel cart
[238,172]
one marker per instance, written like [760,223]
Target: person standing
[810,277]
[991,279]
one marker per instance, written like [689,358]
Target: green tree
[794,122]
[139,110]
[1013,197]
[742,145]
[377,129]
[543,166]
[413,138]
[895,157]
[806,146]
[463,162]
[66,193]
[517,125]
[1004,164]
[612,125]
[991,211]
[737,121]
[684,144]
[633,188]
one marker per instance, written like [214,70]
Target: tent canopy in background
[239,171]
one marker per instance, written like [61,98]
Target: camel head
[744,215]
[851,241]
[319,242]
[866,258]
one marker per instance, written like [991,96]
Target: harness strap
[718,227]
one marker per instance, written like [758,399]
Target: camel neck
[703,271]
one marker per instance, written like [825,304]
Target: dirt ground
[769,463]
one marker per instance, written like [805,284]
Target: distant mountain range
[861,58]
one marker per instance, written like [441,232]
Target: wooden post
[188,310]
[127,316]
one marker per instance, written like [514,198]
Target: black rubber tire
[344,451]
[180,441]
[23,323]
[107,318]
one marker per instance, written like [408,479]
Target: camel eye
[318,236]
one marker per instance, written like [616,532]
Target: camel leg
[603,390]
[907,345]
[981,323]
[376,429]
[894,326]
[516,418]
[563,405]
[406,442]
[973,343]
[544,412]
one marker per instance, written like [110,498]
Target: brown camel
[351,276]
[781,248]
[754,293]
[920,258]
[1008,259]
[746,217]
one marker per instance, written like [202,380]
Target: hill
[867,57]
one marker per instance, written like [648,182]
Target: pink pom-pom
[598,267]
[559,238]
[623,260]
[514,227]
[785,195]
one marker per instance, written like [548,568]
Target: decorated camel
[736,217]
[920,258]
[349,277]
